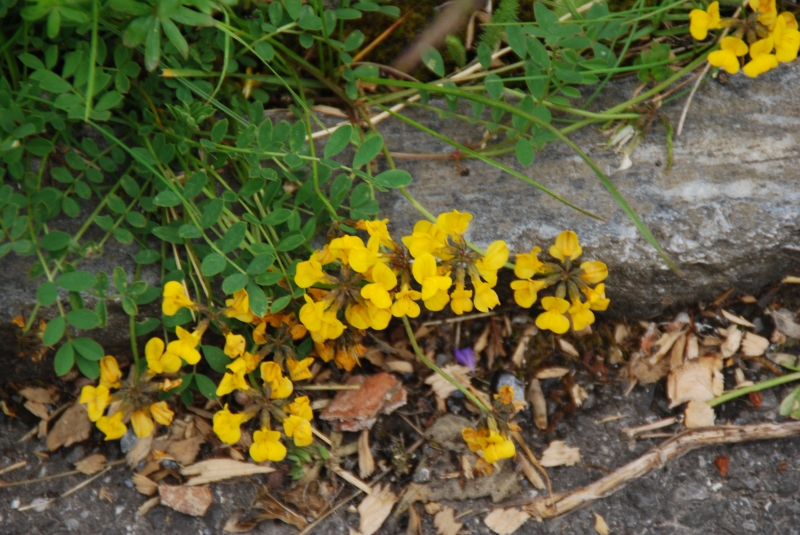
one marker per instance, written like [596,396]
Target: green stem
[438,370]
[763,385]
[134,347]
[92,60]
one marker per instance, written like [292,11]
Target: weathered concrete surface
[727,212]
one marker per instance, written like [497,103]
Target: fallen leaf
[621,333]
[399,366]
[353,480]
[91,464]
[432,508]
[74,426]
[519,352]
[754,345]
[732,342]
[38,409]
[649,337]
[567,348]
[600,525]
[375,509]
[219,469]
[787,360]
[784,322]
[552,373]
[466,467]
[366,463]
[146,506]
[639,368]
[506,521]
[539,404]
[578,394]
[738,320]
[699,380]
[442,387]
[40,395]
[664,344]
[275,510]
[530,472]
[184,452]
[445,522]
[139,451]
[354,410]
[193,501]
[559,454]
[678,349]
[414,522]
[692,347]
[144,485]
[698,414]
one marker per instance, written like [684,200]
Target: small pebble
[422,476]
[127,442]
[506,379]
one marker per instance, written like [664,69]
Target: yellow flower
[526,291]
[485,297]
[185,346]
[767,11]
[157,360]
[438,301]
[251,361]
[142,424]
[761,60]
[96,400]
[581,316]
[227,425]
[567,246]
[345,360]
[378,317]
[702,21]
[235,379]
[357,315]
[267,446]
[325,351]
[553,319]
[309,273]
[786,38]
[161,413]
[311,313]
[404,304]
[299,429]
[426,273]
[528,265]
[112,426]
[495,258]
[175,298]
[341,247]
[362,259]
[234,345]
[301,407]
[281,389]
[239,306]
[271,372]
[497,447]
[727,57]
[505,394]
[378,232]
[471,437]
[168,385]
[383,280]
[461,300]
[299,370]
[110,373]
[597,298]
[425,238]
[594,272]
[454,223]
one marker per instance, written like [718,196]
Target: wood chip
[432,508]
[353,480]
[559,454]
[786,360]
[639,368]
[146,506]
[466,467]
[600,525]
[539,404]
[699,380]
[698,414]
[220,469]
[184,452]
[754,345]
[552,372]
[193,501]
[91,464]
[139,451]
[784,322]
[482,341]
[399,366]
[366,463]
[519,352]
[732,342]
[73,426]
[375,508]
[38,409]
[530,472]
[445,522]
[506,521]
[144,485]
[40,395]
[692,347]
[568,348]
[414,522]
[621,333]
[442,387]
[738,320]
[664,344]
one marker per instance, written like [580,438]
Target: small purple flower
[465,357]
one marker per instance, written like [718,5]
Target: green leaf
[354,40]
[338,141]
[485,56]
[147,326]
[538,52]
[293,8]
[206,386]
[189,231]
[265,51]
[524,152]
[152,45]
[216,358]
[516,40]
[89,368]
[55,240]
[219,130]
[213,264]
[269,278]
[260,264]
[277,216]
[195,185]
[252,187]
[168,234]
[368,151]
[147,256]
[54,331]
[192,18]
[83,319]
[50,81]
[108,101]
[174,35]
[129,306]
[31,61]
[212,212]
[102,313]
[234,283]
[494,86]
[76,281]
[123,235]
[258,301]
[233,237]
[393,178]
[280,303]
[167,198]
[290,242]
[88,348]
[47,293]
[39,147]
[432,59]
[64,359]
[570,77]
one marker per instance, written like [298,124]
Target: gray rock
[726,212]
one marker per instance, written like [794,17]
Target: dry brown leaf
[91,464]
[40,395]
[445,522]
[375,509]
[711,341]
[676,355]
[649,337]
[738,320]
[442,387]
[732,341]
[146,506]
[578,394]
[664,344]
[530,472]
[399,366]
[366,463]
[621,333]
[144,485]
[539,404]
[38,409]
[276,510]
[784,322]
[352,479]
[692,347]
[193,501]
[185,451]
[741,380]
[568,348]
[139,451]
[482,341]
[639,368]
[786,360]
[432,508]
[506,521]
[600,525]
[414,522]
[466,467]
[698,414]
[754,345]
[219,469]
[553,372]
[559,454]
[699,380]
[74,426]
[519,352]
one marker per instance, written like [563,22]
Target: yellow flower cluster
[772,37]
[492,443]
[570,281]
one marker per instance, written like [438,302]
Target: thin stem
[763,385]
